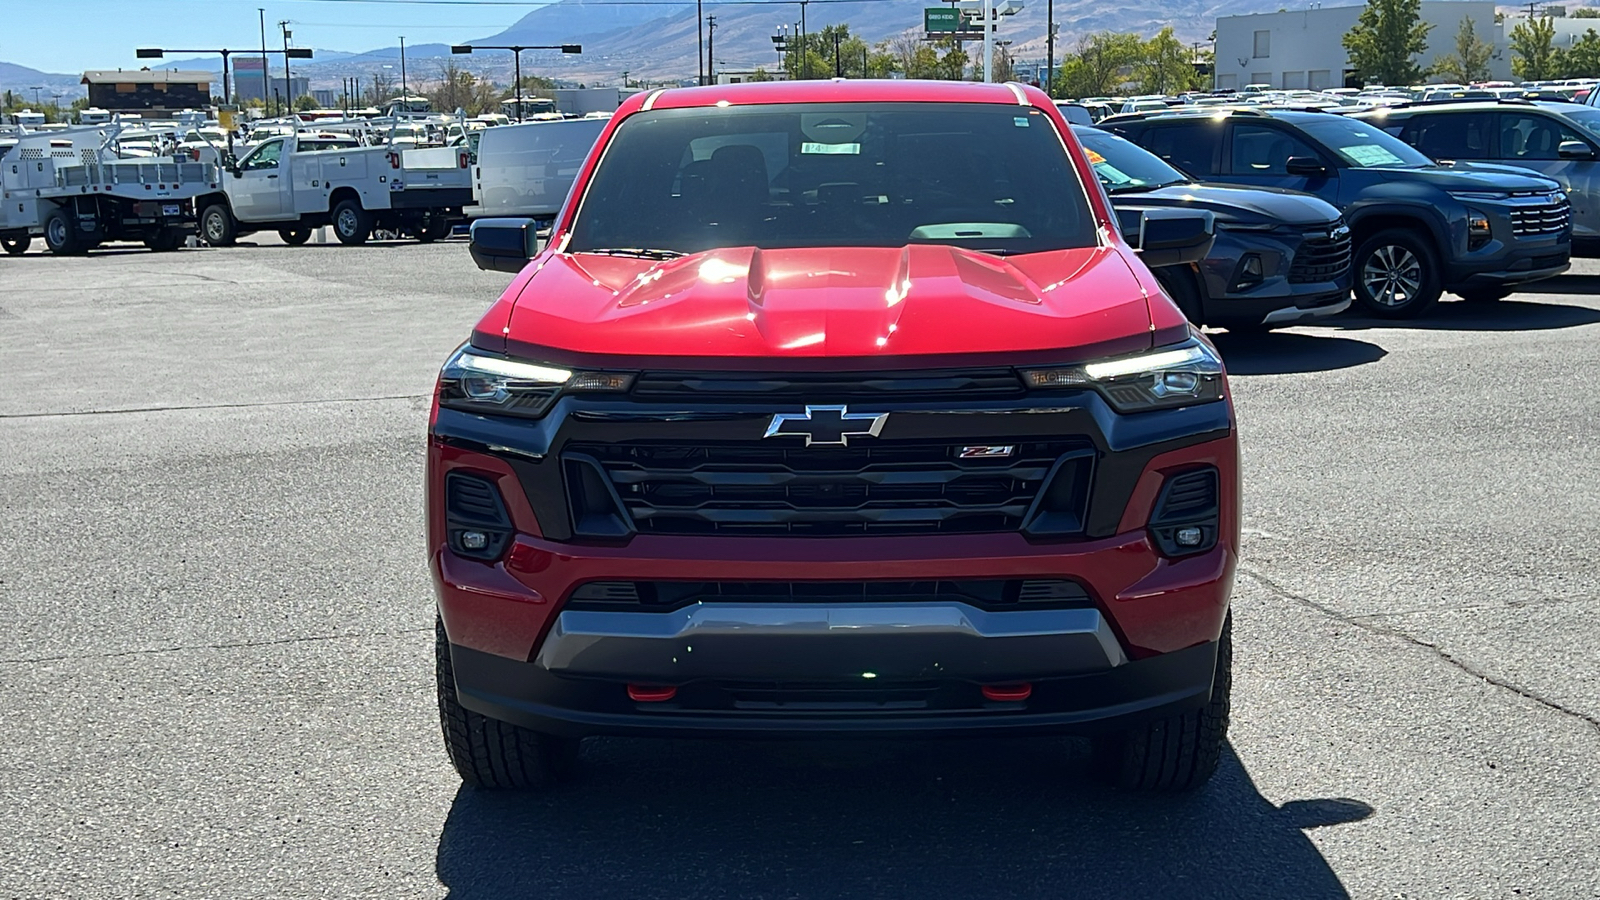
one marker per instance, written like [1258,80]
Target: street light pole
[288,86]
[517,50]
[404,91]
[838,71]
[264,89]
[711,43]
[700,41]
[1049,48]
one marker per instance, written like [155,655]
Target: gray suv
[1558,140]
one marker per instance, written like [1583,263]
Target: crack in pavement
[236,645]
[1364,623]
[261,403]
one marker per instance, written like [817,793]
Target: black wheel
[491,754]
[1178,753]
[1180,284]
[1397,274]
[16,246]
[61,234]
[1484,295]
[217,226]
[165,240]
[434,229]
[294,237]
[351,224]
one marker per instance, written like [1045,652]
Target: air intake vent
[1051,591]
[475,517]
[1187,514]
[608,592]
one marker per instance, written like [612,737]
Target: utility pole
[988,41]
[711,43]
[838,70]
[700,40]
[805,61]
[404,93]
[288,86]
[1049,48]
[264,89]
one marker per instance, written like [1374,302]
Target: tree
[305,102]
[1583,60]
[1533,42]
[1386,40]
[760,74]
[1095,67]
[1166,66]
[1004,65]
[1585,12]
[1470,61]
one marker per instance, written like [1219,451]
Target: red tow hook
[651,693]
[1007,693]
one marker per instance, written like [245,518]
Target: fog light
[474,540]
[1188,537]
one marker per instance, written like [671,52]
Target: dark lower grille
[1320,258]
[1546,218]
[876,488]
[662,596]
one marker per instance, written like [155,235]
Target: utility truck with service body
[70,188]
[292,183]
[835,408]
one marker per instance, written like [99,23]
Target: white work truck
[296,182]
[70,187]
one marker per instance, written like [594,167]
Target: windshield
[1362,144]
[1123,165]
[982,176]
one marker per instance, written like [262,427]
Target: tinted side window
[1531,136]
[1193,146]
[1450,136]
[1263,150]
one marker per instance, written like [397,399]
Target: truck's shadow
[1282,353]
[968,820]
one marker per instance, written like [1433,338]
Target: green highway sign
[942,18]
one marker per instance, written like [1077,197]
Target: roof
[146,76]
[841,91]
[1556,107]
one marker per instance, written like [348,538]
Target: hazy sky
[69,36]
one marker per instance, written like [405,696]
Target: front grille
[1546,218]
[875,488]
[1321,257]
[992,594]
[901,386]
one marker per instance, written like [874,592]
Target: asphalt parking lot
[216,679]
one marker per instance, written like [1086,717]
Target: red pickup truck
[834,408]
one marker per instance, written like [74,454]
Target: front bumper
[1284,295]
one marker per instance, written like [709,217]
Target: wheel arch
[1364,224]
[341,194]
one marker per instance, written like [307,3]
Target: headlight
[476,381]
[1480,195]
[1179,375]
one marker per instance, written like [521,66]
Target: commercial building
[1304,49]
[162,92]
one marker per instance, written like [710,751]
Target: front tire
[16,246]
[1178,753]
[1397,274]
[218,227]
[294,237]
[1180,284]
[488,753]
[61,234]
[352,225]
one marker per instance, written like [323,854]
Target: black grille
[662,596]
[476,521]
[902,386]
[1187,496]
[1320,258]
[1546,218]
[875,488]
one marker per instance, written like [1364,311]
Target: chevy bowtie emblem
[826,425]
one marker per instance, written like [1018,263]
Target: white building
[1304,49]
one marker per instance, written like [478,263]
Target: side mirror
[237,172]
[1304,165]
[1575,150]
[504,245]
[1175,237]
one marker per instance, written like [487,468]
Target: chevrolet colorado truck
[835,408]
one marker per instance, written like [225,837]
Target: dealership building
[1304,48]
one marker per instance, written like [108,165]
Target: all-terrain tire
[352,225]
[1178,753]
[294,237]
[16,246]
[491,754]
[1397,273]
[217,226]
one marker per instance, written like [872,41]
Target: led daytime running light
[517,371]
[1138,365]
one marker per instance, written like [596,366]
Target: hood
[1474,177]
[1230,203]
[839,307]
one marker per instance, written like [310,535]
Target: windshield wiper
[640,252]
[1130,188]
